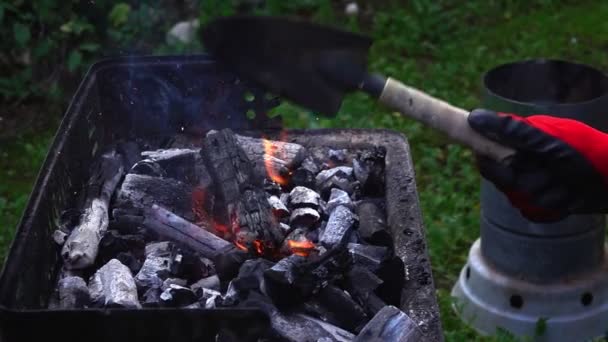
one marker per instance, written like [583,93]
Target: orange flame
[240,245]
[271,151]
[301,248]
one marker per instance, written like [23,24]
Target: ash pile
[241,222]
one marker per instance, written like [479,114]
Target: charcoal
[173,281]
[295,327]
[142,192]
[304,217]
[184,165]
[159,248]
[59,236]
[130,153]
[176,295]
[195,305]
[272,188]
[81,247]
[173,227]
[151,297]
[372,224]
[361,284]
[303,177]
[73,293]
[211,283]
[195,267]
[176,263]
[228,263]
[232,297]
[68,220]
[208,298]
[392,273]
[339,197]
[284,197]
[368,256]
[278,208]
[326,175]
[294,279]
[369,167]
[114,243]
[129,260]
[154,271]
[297,242]
[390,324]
[339,226]
[338,156]
[285,228]
[251,275]
[241,199]
[346,312]
[310,165]
[113,286]
[302,197]
[148,168]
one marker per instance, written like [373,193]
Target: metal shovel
[314,66]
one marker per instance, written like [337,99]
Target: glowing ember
[240,246]
[301,248]
[271,151]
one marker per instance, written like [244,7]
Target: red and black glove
[560,168]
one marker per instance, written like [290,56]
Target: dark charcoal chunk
[362,283]
[272,187]
[176,295]
[173,281]
[303,177]
[73,293]
[151,297]
[369,167]
[390,324]
[129,260]
[304,217]
[296,327]
[114,243]
[338,177]
[251,275]
[278,208]
[347,313]
[154,271]
[368,256]
[182,164]
[338,228]
[372,224]
[339,197]
[338,156]
[211,283]
[392,273]
[227,264]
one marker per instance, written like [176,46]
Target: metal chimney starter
[520,273]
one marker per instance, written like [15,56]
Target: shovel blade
[286,56]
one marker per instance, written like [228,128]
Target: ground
[440,47]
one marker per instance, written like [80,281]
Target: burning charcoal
[372,224]
[339,226]
[390,324]
[73,293]
[211,283]
[294,279]
[362,283]
[228,263]
[81,247]
[244,208]
[176,295]
[151,297]
[154,271]
[338,156]
[346,312]
[278,208]
[142,192]
[113,286]
[271,187]
[368,256]
[170,226]
[298,243]
[304,217]
[338,197]
[127,259]
[302,197]
[59,237]
[173,281]
[392,273]
[369,170]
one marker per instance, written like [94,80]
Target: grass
[443,48]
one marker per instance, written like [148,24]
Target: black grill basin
[149,99]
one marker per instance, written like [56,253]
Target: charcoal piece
[68,220]
[148,168]
[129,260]
[176,263]
[271,187]
[59,236]
[173,281]
[278,208]
[372,224]
[304,217]
[73,293]
[173,227]
[81,247]
[303,197]
[369,168]
[361,284]
[114,243]
[368,256]
[154,271]
[130,153]
[310,165]
[251,275]
[392,273]
[232,296]
[151,298]
[294,279]
[208,298]
[339,226]
[113,286]
[176,295]
[298,243]
[284,198]
[295,327]
[303,177]
[142,192]
[338,156]
[339,197]
[390,324]
[195,305]
[228,263]
[158,248]
[326,175]
[181,164]
[211,283]
[195,267]
[347,313]
[285,228]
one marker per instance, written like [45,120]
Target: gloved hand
[560,168]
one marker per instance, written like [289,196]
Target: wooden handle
[441,116]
